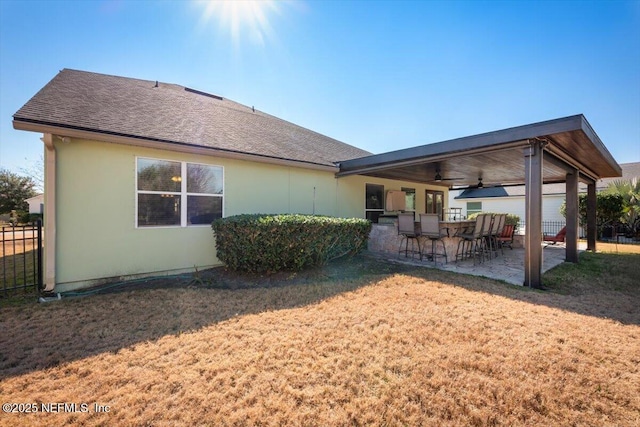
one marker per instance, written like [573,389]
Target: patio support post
[591,217]
[533,214]
[571,238]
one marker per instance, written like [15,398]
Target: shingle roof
[481,193]
[175,115]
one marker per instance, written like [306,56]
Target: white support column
[533,214]
[49,213]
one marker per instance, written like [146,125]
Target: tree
[14,190]
[629,190]
[609,208]
[36,172]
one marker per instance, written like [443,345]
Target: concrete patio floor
[508,267]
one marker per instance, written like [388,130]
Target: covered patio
[565,150]
[507,268]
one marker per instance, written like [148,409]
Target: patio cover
[561,150]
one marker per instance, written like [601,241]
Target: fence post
[39,264]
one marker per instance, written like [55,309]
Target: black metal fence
[608,233]
[548,227]
[20,259]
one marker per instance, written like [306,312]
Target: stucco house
[36,204]
[136,170]
[511,199]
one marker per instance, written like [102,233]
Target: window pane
[203,209]
[375,196]
[474,206]
[429,205]
[158,209]
[410,198]
[158,175]
[439,203]
[204,179]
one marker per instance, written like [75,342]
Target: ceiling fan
[439,178]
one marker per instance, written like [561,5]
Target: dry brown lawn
[16,247]
[616,248]
[414,347]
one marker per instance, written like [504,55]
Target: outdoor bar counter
[384,236]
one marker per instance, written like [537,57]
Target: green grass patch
[596,271]
[14,269]
[18,271]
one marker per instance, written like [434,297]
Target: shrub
[28,218]
[269,243]
[609,210]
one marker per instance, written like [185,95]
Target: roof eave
[97,135]
[497,140]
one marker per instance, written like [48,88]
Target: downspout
[50,213]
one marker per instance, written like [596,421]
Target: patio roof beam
[550,157]
[586,179]
[561,159]
[352,167]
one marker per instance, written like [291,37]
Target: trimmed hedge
[269,243]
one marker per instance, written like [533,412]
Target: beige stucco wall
[97,237]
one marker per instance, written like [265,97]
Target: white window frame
[473,211]
[408,191]
[182,193]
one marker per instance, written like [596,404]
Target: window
[434,202]
[374,202]
[177,193]
[410,199]
[473,207]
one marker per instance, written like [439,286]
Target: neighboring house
[36,204]
[136,170]
[511,199]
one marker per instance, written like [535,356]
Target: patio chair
[505,238]
[430,228]
[496,229]
[407,229]
[487,226]
[558,238]
[472,243]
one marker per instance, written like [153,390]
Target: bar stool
[496,229]
[485,248]
[430,228]
[473,239]
[407,229]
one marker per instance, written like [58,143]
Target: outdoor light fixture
[480,185]
[176,178]
[439,178]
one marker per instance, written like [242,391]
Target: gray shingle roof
[176,115]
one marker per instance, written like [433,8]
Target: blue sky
[378,75]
